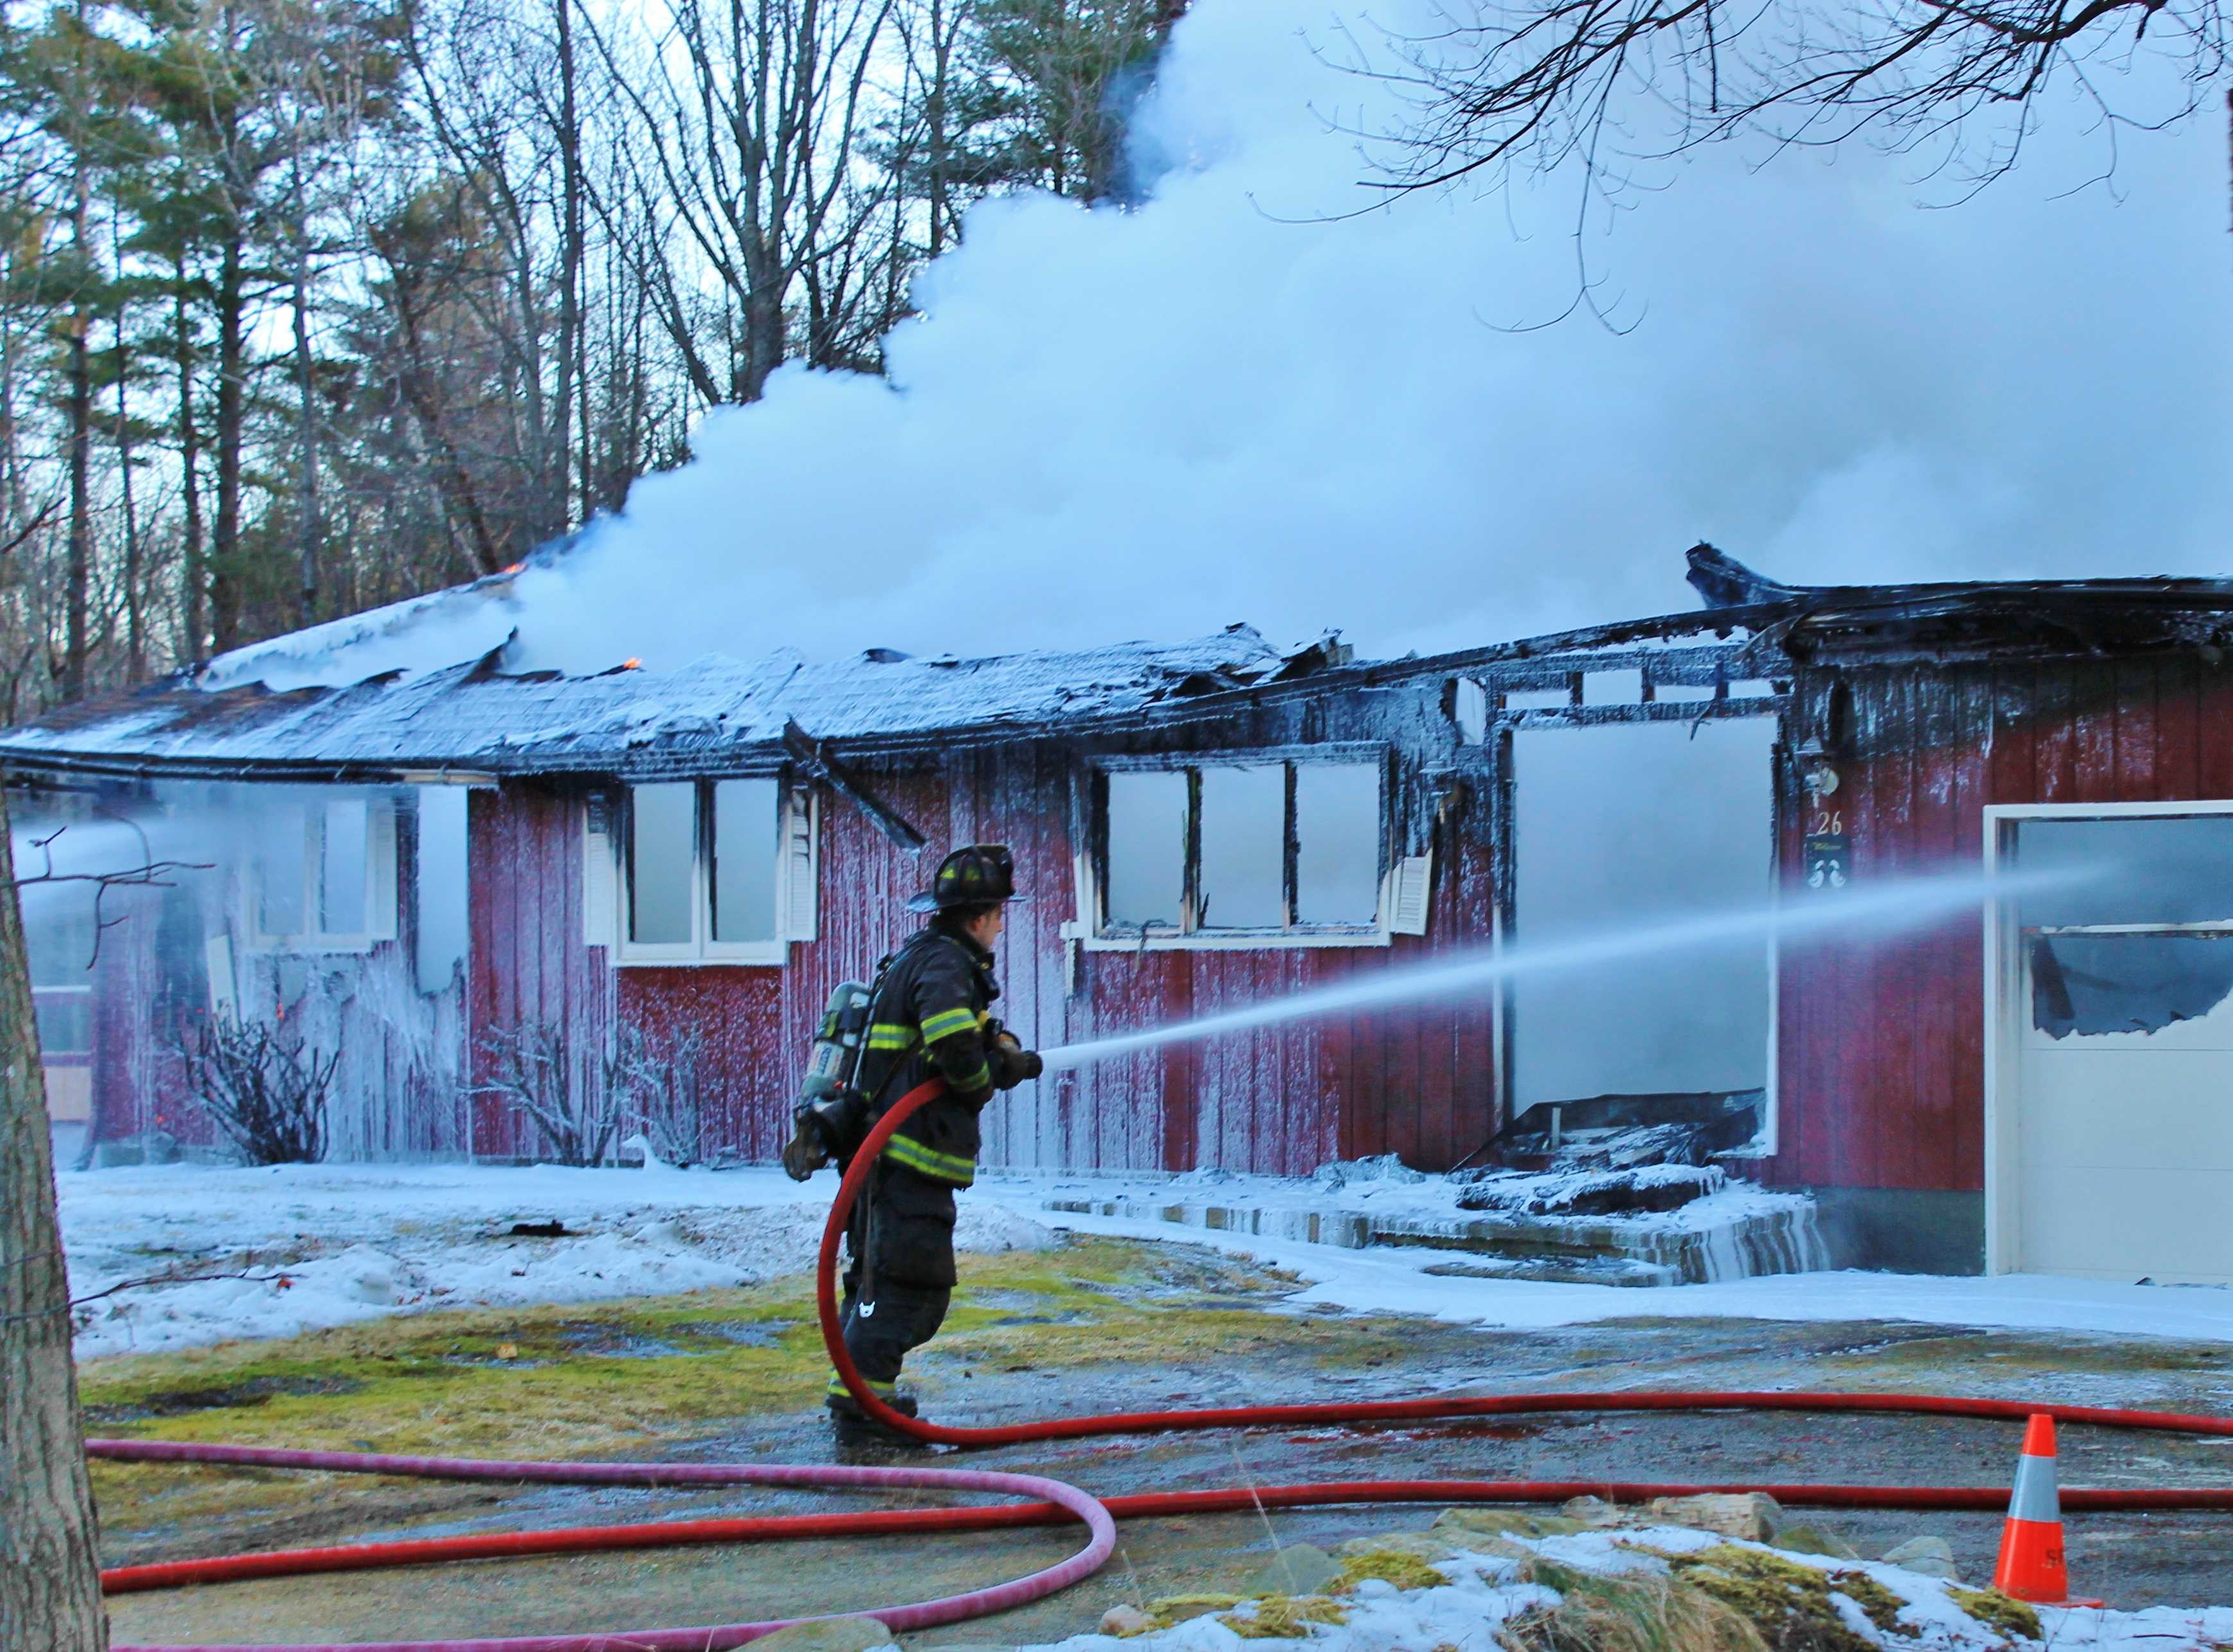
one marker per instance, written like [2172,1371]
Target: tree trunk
[572,225]
[307,411]
[78,571]
[194,575]
[225,593]
[49,1561]
[136,615]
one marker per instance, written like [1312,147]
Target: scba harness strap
[900,1039]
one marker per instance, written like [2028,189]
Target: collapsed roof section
[715,713]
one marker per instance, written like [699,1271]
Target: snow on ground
[1486,1590]
[327,1244]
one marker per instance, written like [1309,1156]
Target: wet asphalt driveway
[2134,1561]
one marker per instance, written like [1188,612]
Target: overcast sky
[1220,405]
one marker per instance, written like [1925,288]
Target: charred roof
[1973,619]
[715,711]
[227,721]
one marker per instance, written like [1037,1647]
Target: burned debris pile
[1613,1156]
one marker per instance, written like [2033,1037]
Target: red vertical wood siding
[1281,1100]
[1880,1049]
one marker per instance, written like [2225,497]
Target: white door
[2123,1139]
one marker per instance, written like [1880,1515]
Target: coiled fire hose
[1057,1503]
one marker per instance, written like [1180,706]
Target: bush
[265,1091]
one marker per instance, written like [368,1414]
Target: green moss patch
[1787,1602]
[1997,1611]
[1283,1617]
[1398,1567]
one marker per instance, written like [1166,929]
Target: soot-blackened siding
[1287,1099]
[1881,1060]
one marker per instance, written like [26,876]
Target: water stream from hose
[1885,909]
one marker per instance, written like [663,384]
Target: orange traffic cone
[2031,1566]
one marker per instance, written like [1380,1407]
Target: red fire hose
[1057,1502]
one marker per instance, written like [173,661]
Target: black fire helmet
[981,874]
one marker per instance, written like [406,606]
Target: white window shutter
[1414,884]
[801,907]
[601,897]
[380,869]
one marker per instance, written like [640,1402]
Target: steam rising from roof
[1235,400]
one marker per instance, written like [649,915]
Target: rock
[1812,1539]
[1460,1524]
[1752,1516]
[1126,1621]
[1595,1512]
[1932,1556]
[1299,1569]
[828,1635]
[1418,1544]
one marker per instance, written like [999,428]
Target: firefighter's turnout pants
[903,1231]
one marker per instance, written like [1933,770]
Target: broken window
[1624,687]
[1469,710]
[662,863]
[707,871]
[1538,699]
[343,844]
[2129,983]
[439,886]
[745,847]
[2126,929]
[1243,847]
[280,867]
[1337,844]
[324,872]
[58,937]
[1145,883]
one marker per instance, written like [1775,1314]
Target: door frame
[1767,1142]
[2005,1006]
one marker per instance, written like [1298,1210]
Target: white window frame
[380,893]
[797,869]
[2008,1008]
[1090,928]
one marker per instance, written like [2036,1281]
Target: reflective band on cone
[2031,1566]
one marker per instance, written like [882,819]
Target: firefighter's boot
[854,1426]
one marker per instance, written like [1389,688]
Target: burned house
[625,897]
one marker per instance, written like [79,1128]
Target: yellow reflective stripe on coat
[939,1166]
[947,1023]
[890,1035]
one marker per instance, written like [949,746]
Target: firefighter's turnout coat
[932,1014]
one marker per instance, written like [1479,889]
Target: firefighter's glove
[1013,1063]
[807,1152]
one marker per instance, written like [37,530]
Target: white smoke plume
[1232,402]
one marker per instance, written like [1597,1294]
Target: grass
[636,1377]
[1599,1614]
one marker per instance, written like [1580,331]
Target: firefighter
[931,1016]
